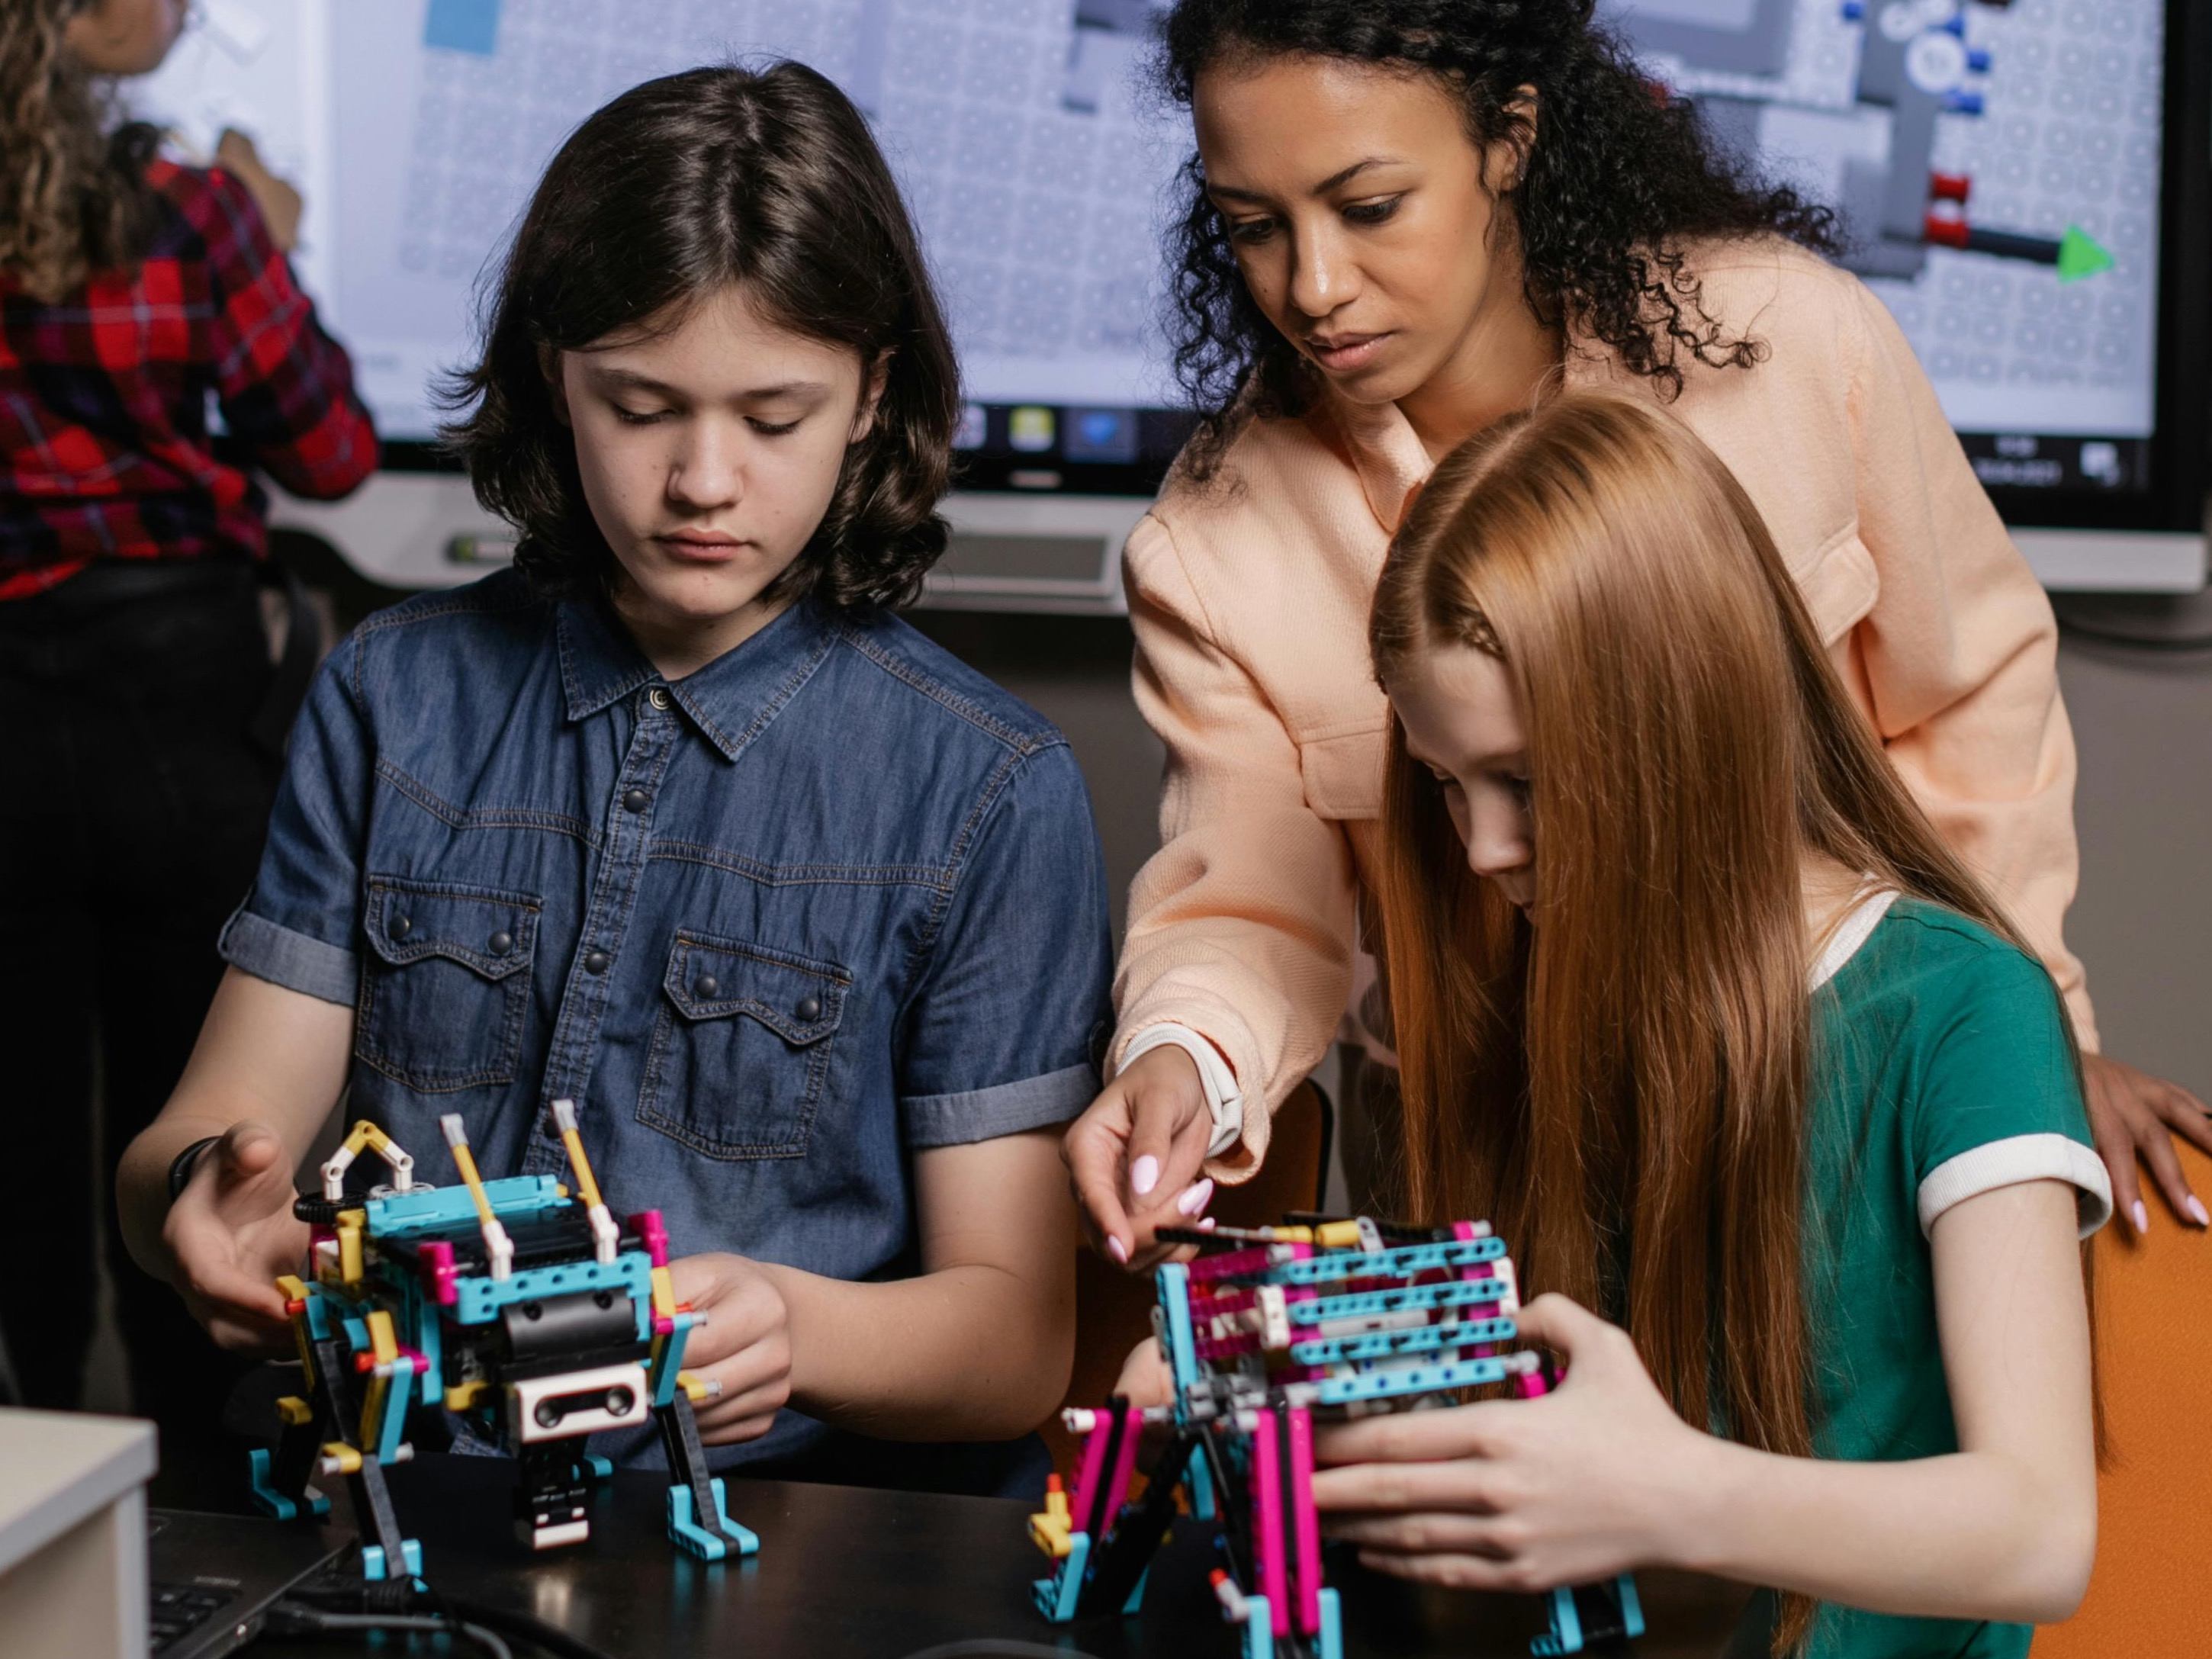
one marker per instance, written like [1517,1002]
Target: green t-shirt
[1943,1070]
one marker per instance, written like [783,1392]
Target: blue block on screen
[463,25]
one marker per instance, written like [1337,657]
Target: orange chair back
[2151,1591]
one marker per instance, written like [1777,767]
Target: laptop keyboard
[180,1609]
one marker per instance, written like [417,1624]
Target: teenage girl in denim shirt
[674,820]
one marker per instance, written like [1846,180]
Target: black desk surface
[844,1573]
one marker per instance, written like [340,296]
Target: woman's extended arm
[264,1076]
[1600,1477]
[976,1346]
[1241,927]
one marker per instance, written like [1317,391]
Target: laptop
[212,1578]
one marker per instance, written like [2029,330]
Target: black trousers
[133,802]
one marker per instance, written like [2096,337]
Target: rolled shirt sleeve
[1003,1030]
[297,927]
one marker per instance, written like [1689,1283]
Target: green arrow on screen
[2080,254]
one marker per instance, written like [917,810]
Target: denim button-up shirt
[830,900]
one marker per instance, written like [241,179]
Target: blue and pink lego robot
[1266,1333]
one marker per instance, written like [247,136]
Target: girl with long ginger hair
[1695,1004]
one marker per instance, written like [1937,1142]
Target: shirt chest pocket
[741,1047]
[444,985]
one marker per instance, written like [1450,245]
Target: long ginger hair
[1621,1087]
[73,196]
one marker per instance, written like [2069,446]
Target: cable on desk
[398,1605]
[292,1618]
[995,1648]
[551,1638]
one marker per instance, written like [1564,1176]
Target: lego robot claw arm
[499,1249]
[606,1237]
[366,1136]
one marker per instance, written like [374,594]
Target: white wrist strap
[1223,1099]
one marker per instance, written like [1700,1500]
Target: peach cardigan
[1250,606]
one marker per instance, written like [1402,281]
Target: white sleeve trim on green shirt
[2008,1162]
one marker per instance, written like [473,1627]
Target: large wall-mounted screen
[2006,174]
[2002,173]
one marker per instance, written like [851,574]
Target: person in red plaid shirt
[140,714]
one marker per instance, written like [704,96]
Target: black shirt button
[708,987]
[595,962]
[400,927]
[501,943]
[810,1009]
[635,800]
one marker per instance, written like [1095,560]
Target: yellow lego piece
[293,1289]
[694,1387]
[1052,1532]
[466,1161]
[664,1294]
[465,1396]
[1291,1235]
[307,1353]
[381,1342]
[353,1217]
[372,1408]
[346,1459]
[350,1263]
[294,1411]
[1337,1235]
[366,1135]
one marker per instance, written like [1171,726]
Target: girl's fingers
[1432,1436]
[1400,1488]
[1554,1322]
[1427,1532]
[1470,1572]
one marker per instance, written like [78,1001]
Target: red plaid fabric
[104,451]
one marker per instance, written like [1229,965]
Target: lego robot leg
[696,1519]
[383,1553]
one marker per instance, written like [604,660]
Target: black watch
[182,1165]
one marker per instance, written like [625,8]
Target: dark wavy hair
[680,187]
[1617,179]
[74,197]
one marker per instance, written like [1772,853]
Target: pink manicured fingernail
[2196,1207]
[1118,1250]
[1143,1175]
[2141,1218]
[1197,1198]
[1207,1223]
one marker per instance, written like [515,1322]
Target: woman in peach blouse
[1406,218]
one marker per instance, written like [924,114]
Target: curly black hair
[1618,180]
[679,188]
